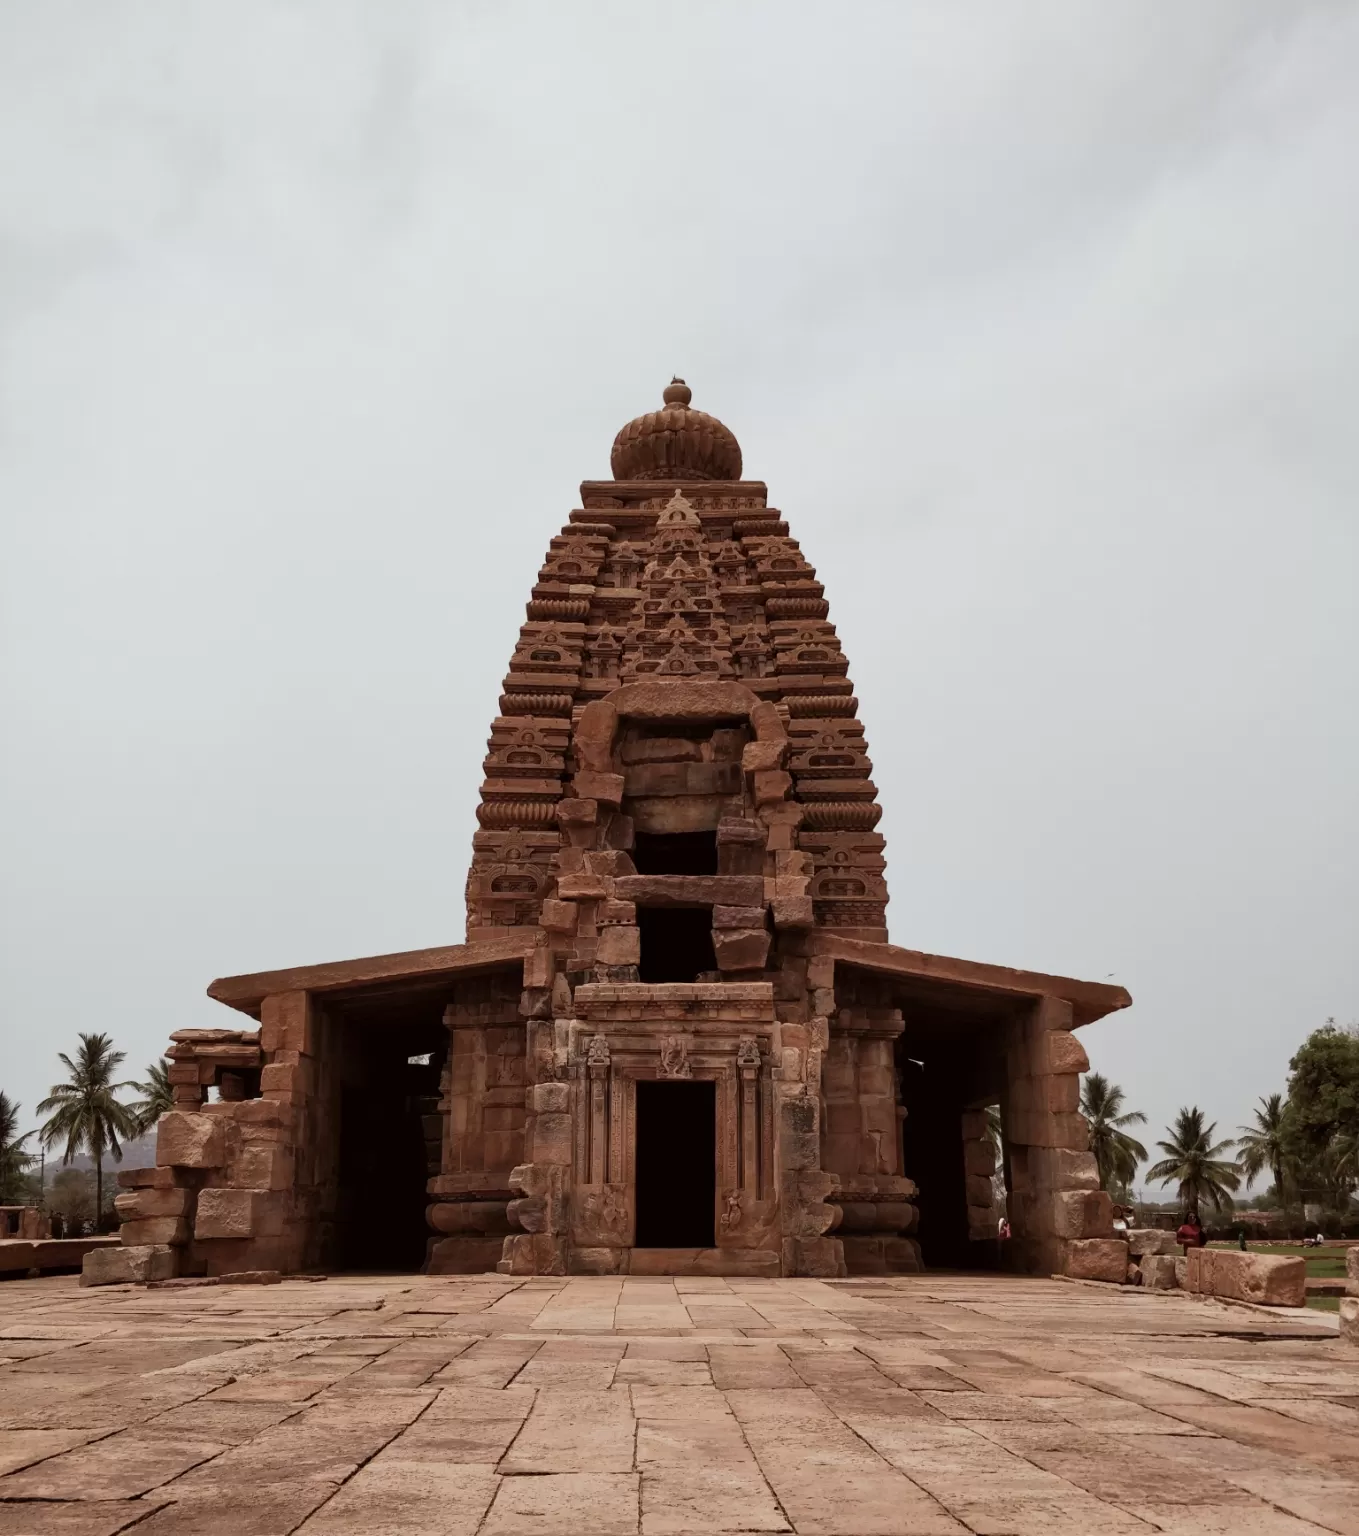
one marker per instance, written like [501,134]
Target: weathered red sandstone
[676,1038]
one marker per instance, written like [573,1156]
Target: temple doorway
[388,1142]
[676,1164]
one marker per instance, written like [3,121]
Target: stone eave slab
[1090,1000]
[248,992]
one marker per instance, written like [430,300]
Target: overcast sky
[1039,320]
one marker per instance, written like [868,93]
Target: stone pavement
[371,1406]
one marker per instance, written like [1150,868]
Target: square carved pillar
[1061,1221]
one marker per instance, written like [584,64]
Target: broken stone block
[1151,1240]
[741,949]
[763,756]
[605,788]
[188,1140]
[226,1213]
[1098,1258]
[1064,1053]
[619,945]
[128,1265]
[1349,1319]
[142,1203]
[1158,1272]
[1269,1280]
[155,1231]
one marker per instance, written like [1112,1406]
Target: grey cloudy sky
[1039,320]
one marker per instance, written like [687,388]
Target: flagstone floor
[484,1406]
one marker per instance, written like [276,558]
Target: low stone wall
[18,1256]
[1270,1280]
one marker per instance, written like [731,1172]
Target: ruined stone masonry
[676,1039]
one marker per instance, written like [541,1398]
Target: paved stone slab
[487,1406]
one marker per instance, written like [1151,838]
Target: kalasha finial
[677,392]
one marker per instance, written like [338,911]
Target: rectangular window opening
[677,943]
[676,853]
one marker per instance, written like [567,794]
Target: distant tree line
[85,1115]
[1305,1138]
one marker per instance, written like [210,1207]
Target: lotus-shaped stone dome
[676,443]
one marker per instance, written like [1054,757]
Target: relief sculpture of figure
[675,1057]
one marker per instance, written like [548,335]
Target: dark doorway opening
[676,1165]
[675,853]
[677,943]
[389,1141]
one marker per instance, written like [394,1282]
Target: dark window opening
[390,1135]
[676,853]
[677,943]
[676,1165]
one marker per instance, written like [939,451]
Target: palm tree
[13,1159]
[1261,1145]
[1192,1161]
[158,1097]
[1116,1153]
[86,1112]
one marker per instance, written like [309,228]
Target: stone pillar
[861,1144]
[979,1163]
[485,1113]
[1061,1221]
[803,1184]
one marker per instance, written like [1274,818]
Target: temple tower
[677,792]
[676,1038]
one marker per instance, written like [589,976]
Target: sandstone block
[1349,1319]
[1182,1272]
[772,786]
[619,945]
[1098,1258]
[1270,1280]
[763,756]
[691,890]
[1080,1213]
[549,1098]
[1352,1268]
[979,1191]
[128,1265]
[226,1213]
[559,916]
[1064,1053]
[143,1203]
[585,886]
[1158,1272]
[552,1138]
[792,911]
[738,917]
[188,1140]
[263,1165]
[1061,1093]
[572,812]
[979,1157]
[287,1023]
[741,949]
[1143,1241]
[606,788]
[155,1232]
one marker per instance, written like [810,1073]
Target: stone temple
[676,1039]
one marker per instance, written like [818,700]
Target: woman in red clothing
[1191,1233]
